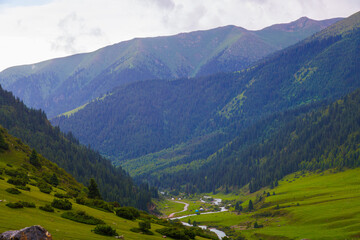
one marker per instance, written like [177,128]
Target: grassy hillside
[60,85]
[15,163]
[323,205]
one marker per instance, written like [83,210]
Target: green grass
[314,206]
[60,228]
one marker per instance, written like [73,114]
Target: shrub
[61,204]
[12,191]
[25,188]
[130,213]
[105,230]
[47,208]
[15,205]
[28,204]
[18,181]
[44,187]
[256,225]
[60,195]
[82,217]
[173,232]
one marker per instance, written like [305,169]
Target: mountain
[60,85]
[328,138]
[33,128]
[157,128]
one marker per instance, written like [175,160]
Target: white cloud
[52,28]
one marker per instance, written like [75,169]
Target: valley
[305,205]
[225,133]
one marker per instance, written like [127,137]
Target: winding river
[217,201]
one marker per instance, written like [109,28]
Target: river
[217,201]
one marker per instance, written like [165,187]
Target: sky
[37,30]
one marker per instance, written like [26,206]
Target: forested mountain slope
[161,126]
[319,140]
[32,127]
[59,85]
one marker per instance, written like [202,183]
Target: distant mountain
[159,127]
[60,85]
[32,127]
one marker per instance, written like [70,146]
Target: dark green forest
[319,140]
[32,127]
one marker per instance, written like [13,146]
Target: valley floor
[322,205]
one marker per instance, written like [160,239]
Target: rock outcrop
[29,233]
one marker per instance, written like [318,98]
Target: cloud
[72,30]
[165,4]
[42,29]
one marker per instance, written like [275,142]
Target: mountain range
[156,128]
[60,85]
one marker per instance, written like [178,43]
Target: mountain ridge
[62,84]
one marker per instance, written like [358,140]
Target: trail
[185,209]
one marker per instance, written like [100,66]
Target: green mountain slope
[32,127]
[323,139]
[60,85]
[15,165]
[160,127]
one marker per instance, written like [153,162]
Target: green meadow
[305,206]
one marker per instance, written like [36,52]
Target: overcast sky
[36,30]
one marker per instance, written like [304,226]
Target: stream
[217,201]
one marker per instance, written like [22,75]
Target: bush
[256,225]
[47,208]
[44,187]
[173,232]
[82,217]
[25,188]
[18,181]
[12,191]
[15,205]
[105,230]
[61,204]
[60,195]
[95,203]
[28,204]
[130,213]
[16,173]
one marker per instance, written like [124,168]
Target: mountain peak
[301,24]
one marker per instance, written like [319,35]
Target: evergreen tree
[34,160]
[93,190]
[251,206]
[54,180]
[3,144]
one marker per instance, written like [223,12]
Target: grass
[311,206]
[60,228]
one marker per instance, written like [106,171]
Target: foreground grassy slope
[15,164]
[310,206]
[60,228]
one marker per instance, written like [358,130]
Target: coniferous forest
[32,127]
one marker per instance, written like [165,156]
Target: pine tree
[34,160]
[251,206]
[93,190]
[54,180]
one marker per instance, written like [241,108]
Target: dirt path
[185,209]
